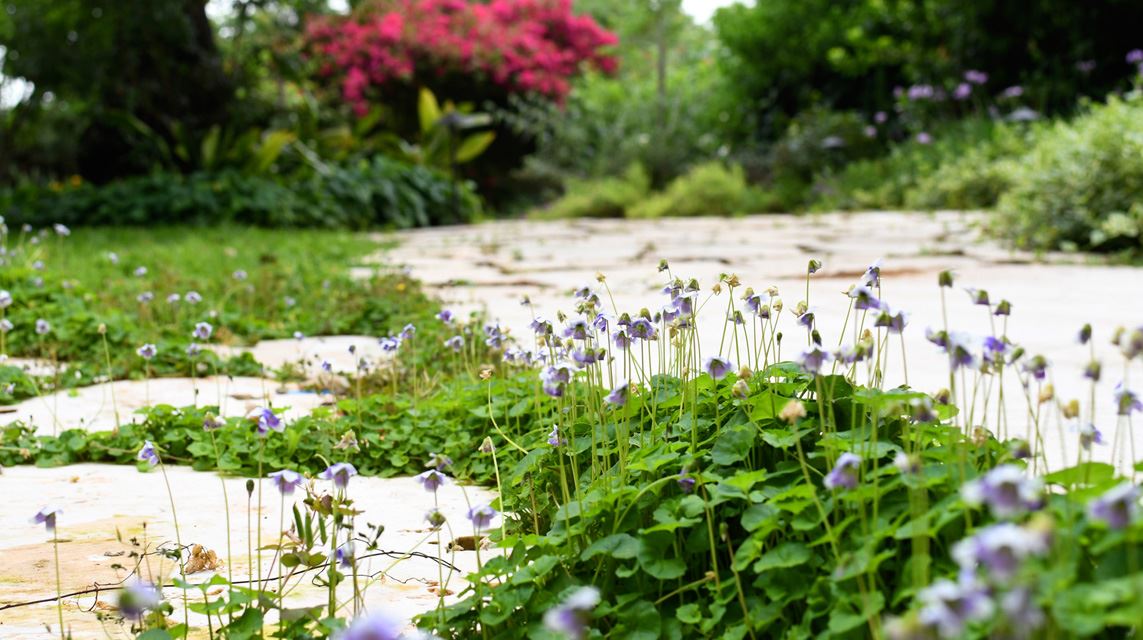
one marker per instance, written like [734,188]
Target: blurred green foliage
[1080,186]
[785,56]
[356,195]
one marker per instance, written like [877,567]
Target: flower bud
[1019,449]
[980,436]
[1084,334]
[1071,409]
[792,411]
[740,389]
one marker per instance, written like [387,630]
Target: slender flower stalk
[150,454]
[48,516]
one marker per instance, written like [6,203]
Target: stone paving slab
[311,352]
[99,500]
[102,407]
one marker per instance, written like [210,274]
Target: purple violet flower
[407,332]
[863,298]
[754,303]
[894,322]
[976,77]
[1126,401]
[959,348]
[619,394]
[999,549]
[1021,611]
[571,617]
[345,554]
[1117,507]
[1089,435]
[139,598]
[554,437]
[1012,92]
[1036,366]
[718,367]
[285,481]
[811,360]
[1007,491]
[540,326]
[47,517]
[148,454]
[432,480]
[622,340]
[686,481]
[950,606]
[844,472]
[642,329]
[439,461]
[577,329]
[266,421]
[339,473]
[374,626]
[481,516]
[202,331]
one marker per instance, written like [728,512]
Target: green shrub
[1081,185]
[819,139]
[973,182]
[963,168]
[600,198]
[377,192]
[709,189]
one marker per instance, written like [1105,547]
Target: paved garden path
[494,265]
[111,512]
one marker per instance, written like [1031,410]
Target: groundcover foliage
[103,293]
[649,492]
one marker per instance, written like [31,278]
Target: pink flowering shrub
[502,47]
